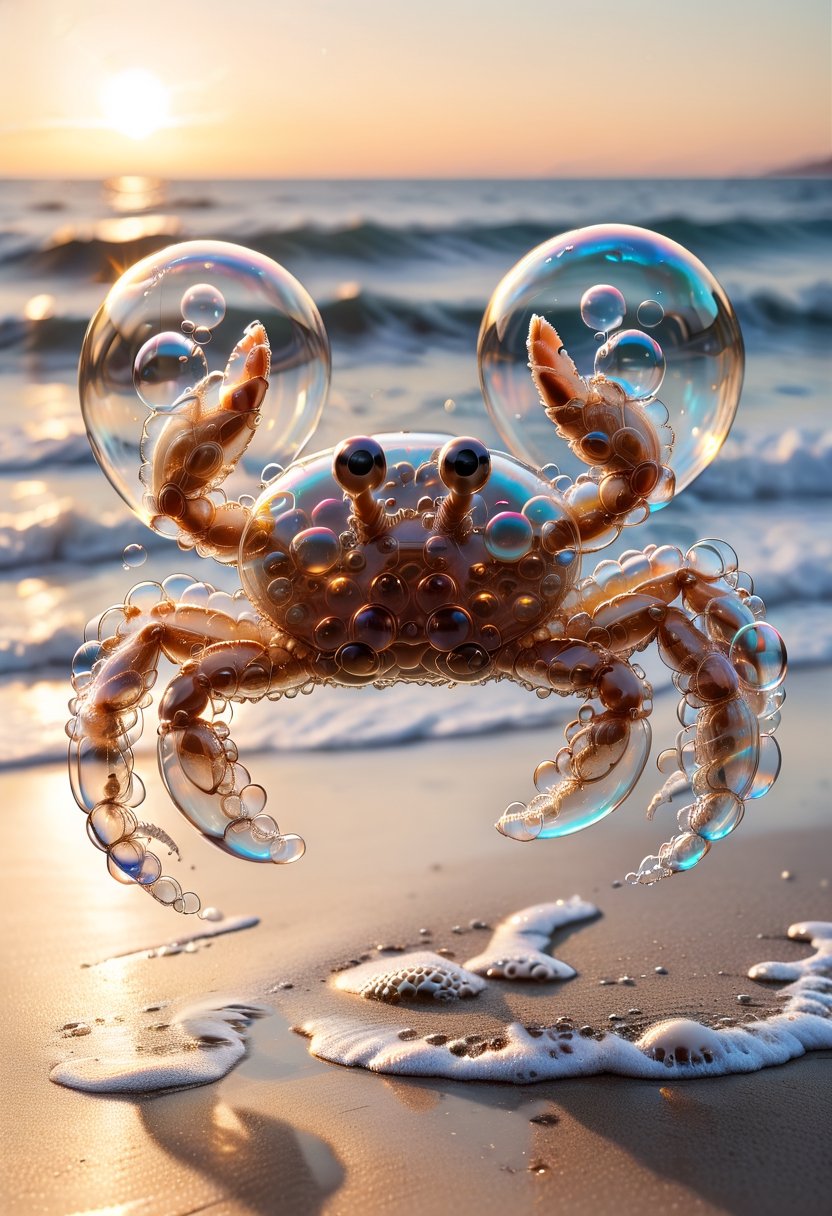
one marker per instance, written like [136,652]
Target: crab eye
[465,465]
[359,464]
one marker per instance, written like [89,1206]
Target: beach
[399,841]
[396,791]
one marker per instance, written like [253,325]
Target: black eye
[359,464]
[465,465]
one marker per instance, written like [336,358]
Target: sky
[429,88]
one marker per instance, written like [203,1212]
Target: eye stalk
[464,466]
[360,466]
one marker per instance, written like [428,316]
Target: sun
[135,103]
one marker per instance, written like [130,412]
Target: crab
[418,558]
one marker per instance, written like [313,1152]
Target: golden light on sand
[136,103]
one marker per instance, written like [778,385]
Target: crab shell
[419,600]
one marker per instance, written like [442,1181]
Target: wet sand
[400,840]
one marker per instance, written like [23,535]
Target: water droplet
[650,313]
[203,305]
[133,556]
[634,360]
[603,307]
[165,367]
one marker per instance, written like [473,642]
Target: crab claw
[246,374]
[555,375]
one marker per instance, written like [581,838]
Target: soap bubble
[603,307]
[697,333]
[634,360]
[203,305]
[143,350]
[650,313]
[133,556]
[165,367]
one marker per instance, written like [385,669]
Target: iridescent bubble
[209,280]
[634,360]
[203,305]
[650,313]
[700,340]
[508,536]
[133,556]
[758,654]
[603,307]
[165,367]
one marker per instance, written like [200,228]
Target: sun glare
[135,103]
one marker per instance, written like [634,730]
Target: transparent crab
[415,558]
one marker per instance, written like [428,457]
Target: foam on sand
[206,1041]
[515,951]
[418,976]
[678,1047]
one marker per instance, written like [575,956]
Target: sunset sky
[365,88]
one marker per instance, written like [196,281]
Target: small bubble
[133,556]
[165,367]
[603,307]
[634,360]
[787,875]
[649,313]
[450,406]
[202,335]
[203,306]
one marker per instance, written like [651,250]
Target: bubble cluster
[588,283]
[168,326]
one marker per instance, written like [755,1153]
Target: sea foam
[677,1047]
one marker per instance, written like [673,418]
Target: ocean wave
[93,251]
[373,317]
[58,531]
[793,464]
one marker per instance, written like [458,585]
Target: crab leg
[615,436]
[188,453]
[113,677]
[198,760]
[605,753]
[728,672]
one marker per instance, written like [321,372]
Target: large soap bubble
[174,318]
[576,282]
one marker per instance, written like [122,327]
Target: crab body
[412,601]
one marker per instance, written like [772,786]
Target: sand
[399,840]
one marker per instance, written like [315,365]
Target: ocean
[401,272]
